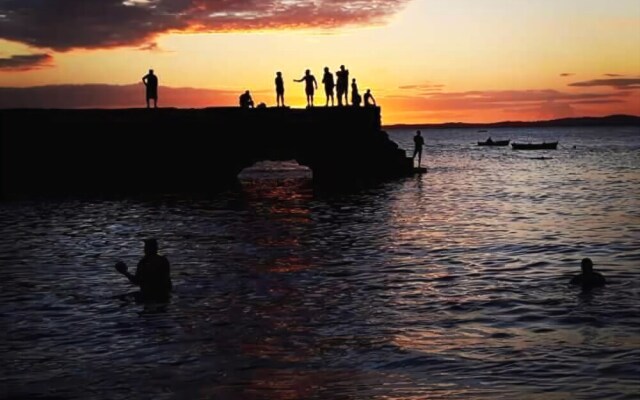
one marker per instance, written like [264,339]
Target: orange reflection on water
[288,264]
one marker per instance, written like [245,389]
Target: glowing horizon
[425,61]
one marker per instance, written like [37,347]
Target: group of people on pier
[340,84]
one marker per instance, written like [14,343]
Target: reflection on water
[445,285]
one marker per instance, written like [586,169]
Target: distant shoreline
[611,120]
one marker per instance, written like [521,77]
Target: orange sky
[424,60]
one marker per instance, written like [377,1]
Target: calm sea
[448,285]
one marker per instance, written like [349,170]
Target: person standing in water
[279,89]
[588,279]
[418,142]
[153,273]
[310,85]
[151,83]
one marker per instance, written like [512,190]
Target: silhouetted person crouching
[369,101]
[151,82]
[246,101]
[588,279]
[153,273]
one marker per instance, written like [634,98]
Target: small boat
[535,146]
[483,131]
[494,143]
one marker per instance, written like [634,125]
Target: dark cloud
[613,75]
[599,101]
[153,46]
[25,62]
[566,74]
[67,24]
[506,104]
[616,83]
[424,88]
[492,97]
[546,101]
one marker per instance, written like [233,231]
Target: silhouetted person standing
[369,101]
[310,85]
[418,142]
[327,79]
[342,85]
[153,273]
[356,99]
[151,82]
[279,89]
[246,101]
[588,279]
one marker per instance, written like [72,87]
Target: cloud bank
[67,24]
[619,83]
[110,96]
[25,62]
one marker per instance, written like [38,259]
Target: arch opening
[278,180]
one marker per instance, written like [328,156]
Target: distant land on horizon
[611,120]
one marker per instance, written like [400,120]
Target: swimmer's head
[586,265]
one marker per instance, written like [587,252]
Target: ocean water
[447,285]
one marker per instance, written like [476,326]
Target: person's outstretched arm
[122,268]
[299,80]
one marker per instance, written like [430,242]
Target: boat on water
[494,143]
[535,146]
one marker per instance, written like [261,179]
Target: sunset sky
[424,60]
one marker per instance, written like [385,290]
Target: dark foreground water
[443,286]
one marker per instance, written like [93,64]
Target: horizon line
[540,121]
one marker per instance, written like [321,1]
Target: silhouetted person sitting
[245,100]
[153,273]
[279,89]
[151,82]
[327,79]
[356,99]
[588,279]
[418,142]
[310,85]
[489,140]
[369,101]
